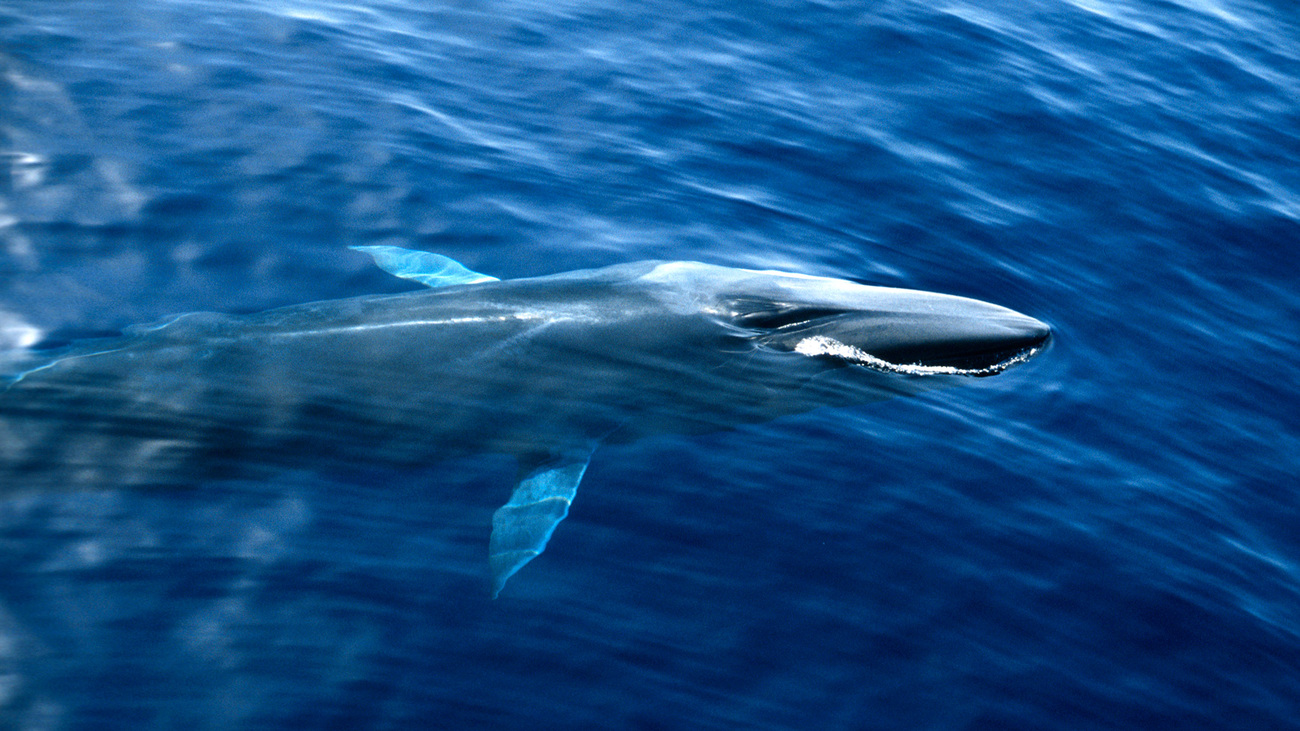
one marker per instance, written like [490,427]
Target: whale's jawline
[823,346]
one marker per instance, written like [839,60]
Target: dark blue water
[1107,537]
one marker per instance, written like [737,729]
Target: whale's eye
[770,315]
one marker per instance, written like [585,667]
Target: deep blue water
[1107,537]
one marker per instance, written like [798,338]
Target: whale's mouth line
[820,345]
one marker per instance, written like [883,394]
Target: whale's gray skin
[544,368]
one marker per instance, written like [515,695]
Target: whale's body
[544,368]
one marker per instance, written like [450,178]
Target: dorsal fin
[431,270]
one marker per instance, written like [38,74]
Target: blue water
[1104,538]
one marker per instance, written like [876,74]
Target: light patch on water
[822,345]
[1214,9]
[1120,15]
[502,139]
[121,190]
[27,169]
[16,333]
[14,242]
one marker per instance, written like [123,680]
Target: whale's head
[903,331]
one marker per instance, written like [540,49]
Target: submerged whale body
[545,368]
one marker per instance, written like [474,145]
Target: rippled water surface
[1105,537]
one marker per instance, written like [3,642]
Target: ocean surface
[1107,537]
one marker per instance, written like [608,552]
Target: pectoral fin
[431,270]
[521,527]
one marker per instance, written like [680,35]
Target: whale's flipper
[521,527]
[431,270]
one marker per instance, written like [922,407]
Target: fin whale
[544,368]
